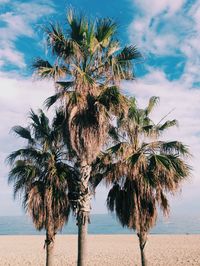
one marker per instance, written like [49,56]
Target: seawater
[102,224]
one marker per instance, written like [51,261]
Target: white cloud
[35,10]
[9,54]
[4,1]
[16,25]
[155,7]
[19,22]
[167,28]
[143,33]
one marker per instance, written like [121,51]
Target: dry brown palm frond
[142,173]
[40,173]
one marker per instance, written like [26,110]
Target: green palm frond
[78,26]
[40,125]
[122,64]
[162,163]
[60,45]
[44,121]
[181,169]
[23,170]
[34,117]
[175,147]
[129,53]
[135,158]
[113,101]
[53,99]
[59,119]
[22,175]
[168,124]
[118,148]
[110,97]
[113,133]
[55,38]
[23,133]
[105,30]
[45,70]
[153,101]
[28,153]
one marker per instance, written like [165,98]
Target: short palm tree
[142,170]
[39,175]
[89,65]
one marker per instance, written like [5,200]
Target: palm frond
[40,125]
[28,153]
[128,53]
[168,124]
[105,30]
[45,70]
[23,133]
[78,25]
[153,101]
[53,99]
[175,147]
[113,133]
[113,101]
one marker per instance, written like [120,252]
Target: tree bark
[50,233]
[82,241]
[142,240]
[49,243]
[83,214]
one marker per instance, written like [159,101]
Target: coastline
[102,250]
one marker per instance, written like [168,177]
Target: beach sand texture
[103,250]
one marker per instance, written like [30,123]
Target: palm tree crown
[142,169]
[89,64]
[40,174]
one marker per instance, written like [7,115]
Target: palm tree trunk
[142,240]
[49,243]
[82,240]
[83,214]
[50,233]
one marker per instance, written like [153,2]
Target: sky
[166,32]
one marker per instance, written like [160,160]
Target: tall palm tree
[88,67]
[39,174]
[142,170]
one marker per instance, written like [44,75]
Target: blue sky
[166,32]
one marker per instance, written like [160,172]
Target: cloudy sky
[166,32]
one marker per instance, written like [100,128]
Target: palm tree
[142,170]
[89,65]
[39,175]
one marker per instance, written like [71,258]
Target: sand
[103,250]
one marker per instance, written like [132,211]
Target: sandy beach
[103,250]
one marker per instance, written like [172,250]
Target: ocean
[102,224]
